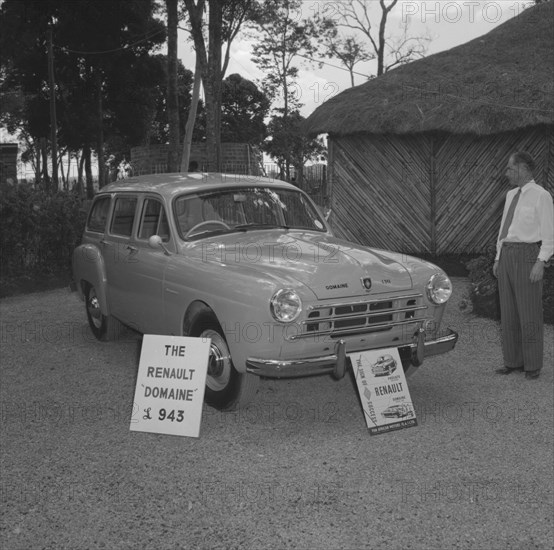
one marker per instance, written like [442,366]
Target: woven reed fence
[432,194]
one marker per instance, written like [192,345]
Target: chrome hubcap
[216,363]
[219,362]
[93,307]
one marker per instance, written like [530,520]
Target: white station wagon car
[251,263]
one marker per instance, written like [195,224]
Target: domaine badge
[366,282]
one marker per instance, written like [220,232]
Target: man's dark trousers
[520,307]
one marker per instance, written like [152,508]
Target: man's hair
[522,157]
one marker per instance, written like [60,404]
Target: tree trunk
[80,167]
[385,10]
[213,137]
[44,152]
[53,119]
[300,176]
[88,171]
[172,95]
[213,87]
[100,133]
[187,142]
[68,173]
[62,174]
[38,164]
[286,116]
[211,73]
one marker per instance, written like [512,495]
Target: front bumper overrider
[336,362]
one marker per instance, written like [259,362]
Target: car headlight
[439,288]
[285,305]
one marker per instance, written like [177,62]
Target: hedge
[38,230]
[484,289]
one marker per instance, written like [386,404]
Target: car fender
[194,310]
[245,320]
[238,345]
[89,267]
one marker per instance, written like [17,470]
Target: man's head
[520,168]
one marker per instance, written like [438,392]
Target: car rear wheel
[226,388]
[104,327]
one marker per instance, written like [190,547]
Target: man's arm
[498,245]
[546,221]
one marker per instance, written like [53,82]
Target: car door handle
[131,248]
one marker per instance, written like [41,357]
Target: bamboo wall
[434,194]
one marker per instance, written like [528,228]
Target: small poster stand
[383,390]
[171,379]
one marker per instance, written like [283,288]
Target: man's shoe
[532,374]
[508,370]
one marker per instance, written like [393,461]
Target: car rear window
[124,216]
[99,215]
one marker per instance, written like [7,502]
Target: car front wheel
[104,327]
[226,388]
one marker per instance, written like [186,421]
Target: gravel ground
[296,470]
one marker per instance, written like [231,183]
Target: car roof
[176,183]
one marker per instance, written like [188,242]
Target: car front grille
[376,315]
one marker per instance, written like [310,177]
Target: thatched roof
[498,82]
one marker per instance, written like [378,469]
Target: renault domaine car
[250,263]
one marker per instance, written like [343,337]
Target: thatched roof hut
[417,155]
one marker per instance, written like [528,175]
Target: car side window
[99,215]
[153,220]
[123,216]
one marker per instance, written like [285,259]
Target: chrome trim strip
[335,363]
[368,300]
[360,315]
[439,345]
[365,329]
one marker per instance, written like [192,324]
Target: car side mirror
[155,241]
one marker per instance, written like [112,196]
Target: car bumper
[336,362]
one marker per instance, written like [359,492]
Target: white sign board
[170,385]
[383,390]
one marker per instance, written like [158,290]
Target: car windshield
[223,211]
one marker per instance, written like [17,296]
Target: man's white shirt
[533,219]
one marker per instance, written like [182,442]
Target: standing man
[525,244]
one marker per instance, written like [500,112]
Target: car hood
[330,267]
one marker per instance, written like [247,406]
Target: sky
[449,23]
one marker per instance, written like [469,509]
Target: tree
[404,48]
[288,143]
[23,29]
[159,124]
[244,108]
[349,50]
[356,15]
[110,42]
[107,41]
[224,22]
[172,95]
[281,39]
[191,119]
